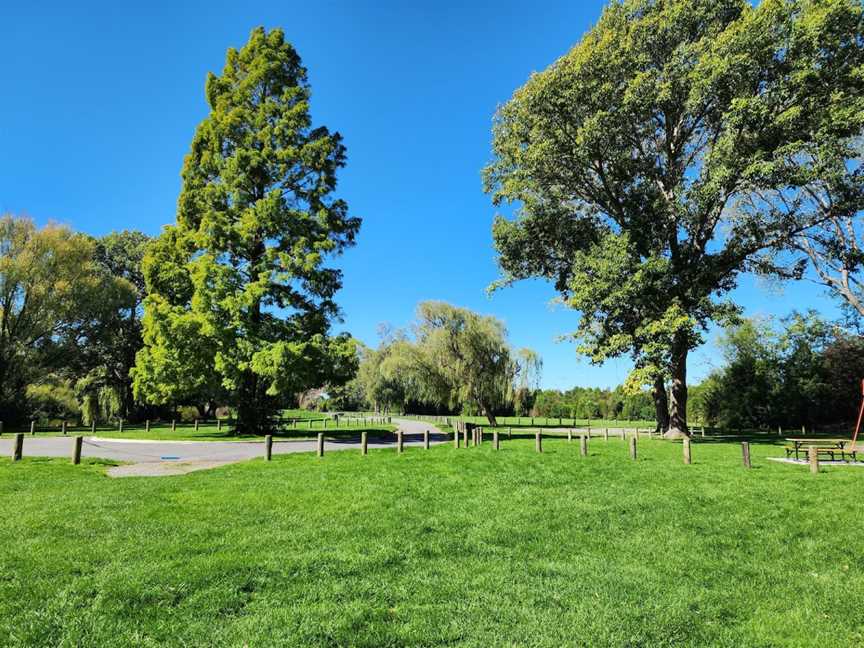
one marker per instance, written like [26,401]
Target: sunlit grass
[440,547]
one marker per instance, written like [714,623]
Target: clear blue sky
[100,102]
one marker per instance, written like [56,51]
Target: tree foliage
[455,361]
[239,293]
[799,371]
[104,385]
[54,301]
[593,403]
[634,157]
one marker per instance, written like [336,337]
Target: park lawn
[463,547]
[211,432]
[304,414]
[540,421]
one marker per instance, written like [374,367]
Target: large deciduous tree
[453,360]
[54,297]
[634,157]
[104,384]
[830,193]
[246,281]
[466,358]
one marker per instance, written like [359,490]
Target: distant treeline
[593,402]
[802,370]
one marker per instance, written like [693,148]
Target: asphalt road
[138,451]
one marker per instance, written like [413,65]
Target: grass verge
[461,547]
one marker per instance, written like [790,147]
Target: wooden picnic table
[830,447]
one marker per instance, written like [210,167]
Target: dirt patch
[163,468]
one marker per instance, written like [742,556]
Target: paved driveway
[193,455]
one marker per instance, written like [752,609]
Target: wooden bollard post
[606,434]
[93,426]
[63,427]
[364,443]
[196,425]
[268,446]
[495,442]
[633,448]
[813,455]
[583,445]
[121,425]
[465,435]
[320,444]
[538,441]
[76,450]
[623,434]
[18,447]
[426,439]
[218,425]
[688,458]
[702,430]
[147,425]
[745,453]
[779,431]
[455,438]
[569,434]
[173,425]
[399,442]
[32,427]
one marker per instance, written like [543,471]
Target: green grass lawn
[449,547]
[211,432]
[540,421]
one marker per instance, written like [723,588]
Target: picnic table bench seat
[824,447]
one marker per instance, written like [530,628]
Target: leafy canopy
[242,276]
[632,158]
[54,301]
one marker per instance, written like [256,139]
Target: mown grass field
[541,421]
[451,547]
[306,428]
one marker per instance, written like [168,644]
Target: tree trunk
[661,405]
[253,412]
[678,404]
[487,412]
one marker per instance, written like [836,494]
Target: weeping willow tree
[464,360]
[99,398]
[529,370]
[453,358]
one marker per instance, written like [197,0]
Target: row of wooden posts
[477,439]
[64,428]
[476,433]
[561,421]
[364,443]
[18,448]
[310,424]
